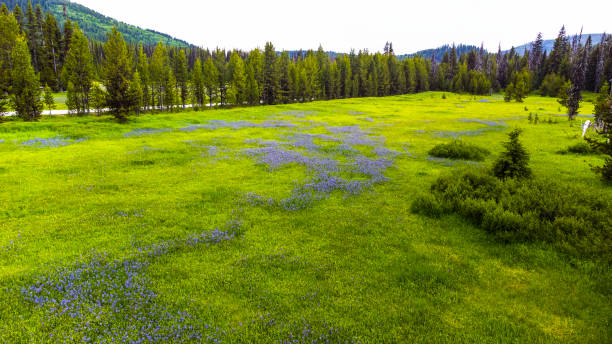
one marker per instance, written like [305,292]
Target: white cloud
[340,25]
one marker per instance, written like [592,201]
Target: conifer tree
[256,61]
[502,69]
[145,77]
[535,60]
[197,83]
[79,71]
[270,84]
[98,98]
[50,69]
[159,71]
[117,71]
[171,97]
[522,82]
[238,79]
[454,67]
[514,162]
[603,121]
[48,98]
[33,35]
[135,94]
[334,81]
[509,94]
[570,99]
[559,56]
[25,85]
[9,31]
[219,60]
[18,14]
[66,40]
[181,74]
[422,76]
[410,71]
[211,79]
[323,72]
[310,69]
[285,85]
[252,87]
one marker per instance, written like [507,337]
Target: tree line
[129,78]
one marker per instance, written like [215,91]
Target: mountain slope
[96,25]
[549,43]
[439,52]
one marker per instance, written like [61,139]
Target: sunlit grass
[345,267]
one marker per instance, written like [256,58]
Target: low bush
[579,148]
[519,210]
[458,149]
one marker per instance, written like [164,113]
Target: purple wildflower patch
[236,125]
[54,142]
[496,123]
[325,170]
[457,134]
[111,301]
[349,129]
[141,132]
[384,152]
[299,114]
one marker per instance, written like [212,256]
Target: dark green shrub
[579,148]
[502,222]
[514,162]
[458,149]
[575,220]
[428,205]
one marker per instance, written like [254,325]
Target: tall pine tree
[25,85]
[271,79]
[117,74]
[79,71]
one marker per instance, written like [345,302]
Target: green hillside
[96,25]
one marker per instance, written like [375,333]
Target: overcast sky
[340,25]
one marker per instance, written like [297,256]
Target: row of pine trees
[128,78]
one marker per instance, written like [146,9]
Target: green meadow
[284,224]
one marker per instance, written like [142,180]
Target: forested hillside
[438,53]
[95,25]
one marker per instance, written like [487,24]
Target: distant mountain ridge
[549,43]
[96,25]
[440,51]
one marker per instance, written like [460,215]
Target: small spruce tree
[521,86]
[570,98]
[509,92]
[514,162]
[603,120]
[48,98]
[135,93]
[98,98]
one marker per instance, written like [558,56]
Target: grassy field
[282,224]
